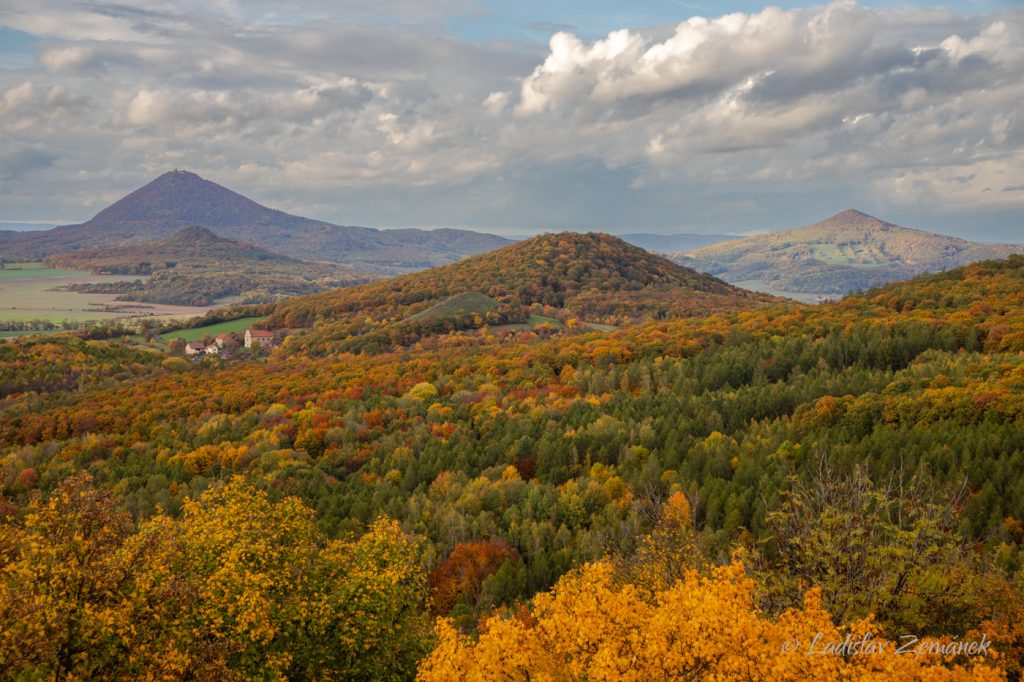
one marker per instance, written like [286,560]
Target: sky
[520,117]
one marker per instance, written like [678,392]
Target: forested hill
[180,199]
[194,266]
[595,277]
[188,247]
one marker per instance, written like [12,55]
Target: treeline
[202,287]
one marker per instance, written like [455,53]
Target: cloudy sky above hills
[646,116]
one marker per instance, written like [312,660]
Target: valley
[195,267]
[43,294]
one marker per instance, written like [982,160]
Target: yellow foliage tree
[591,627]
[241,587]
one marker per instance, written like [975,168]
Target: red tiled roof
[260,332]
[196,345]
[223,336]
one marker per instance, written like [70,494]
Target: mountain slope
[851,250]
[672,243]
[191,247]
[196,267]
[179,199]
[591,277]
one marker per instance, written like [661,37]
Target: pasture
[195,334]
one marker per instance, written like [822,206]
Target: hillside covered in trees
[195,267]
[577,278]
[681,496]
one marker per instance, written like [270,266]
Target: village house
[259,337]
[200,348]
[195,348]
[223,339]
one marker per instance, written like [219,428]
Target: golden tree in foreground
[241,587]
[701,627]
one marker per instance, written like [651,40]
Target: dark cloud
[19,161]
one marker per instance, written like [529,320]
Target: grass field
[34,271]
[237,326]
[25,265]
[531,322]
[30,291]
[457,306]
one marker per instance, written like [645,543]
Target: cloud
[18,160]
[780,96]
[714,123]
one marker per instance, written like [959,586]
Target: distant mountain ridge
[849,251]
[179,199]
[190,247]
[194,266]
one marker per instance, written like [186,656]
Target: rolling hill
[595,278]
[194,266]
[849,251]
[180,199]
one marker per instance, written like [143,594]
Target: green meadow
[195,334]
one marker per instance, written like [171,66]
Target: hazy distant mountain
[16,226]
[672,243]
[849,251]
[179,199]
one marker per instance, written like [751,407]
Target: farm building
[200,348]
[195,348]
[259,337]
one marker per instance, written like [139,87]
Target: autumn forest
[569,459]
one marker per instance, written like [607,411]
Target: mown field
[31,291]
